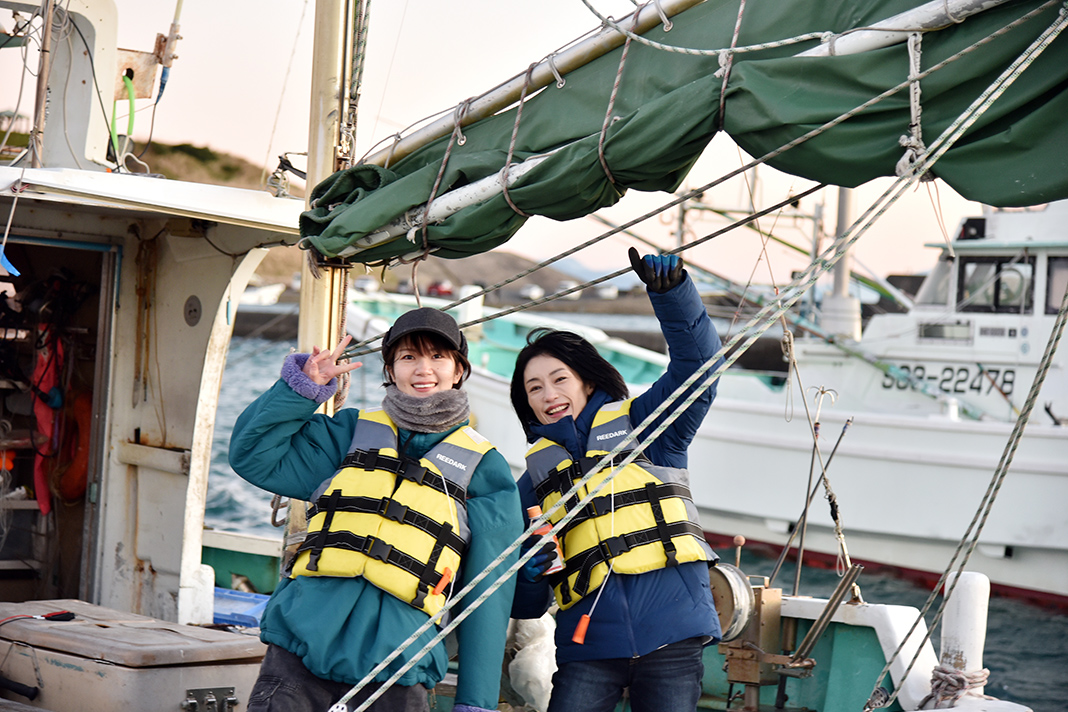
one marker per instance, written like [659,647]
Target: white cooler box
[106,660]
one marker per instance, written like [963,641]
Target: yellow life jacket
[643,520]
[398,522]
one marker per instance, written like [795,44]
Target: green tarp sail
[667,110]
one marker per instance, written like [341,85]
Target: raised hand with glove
[660,273]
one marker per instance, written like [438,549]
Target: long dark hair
[424,343]
[577,354]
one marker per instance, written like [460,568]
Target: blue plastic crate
[239,607]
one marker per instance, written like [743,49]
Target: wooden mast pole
[323,289]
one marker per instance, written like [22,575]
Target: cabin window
[935,288]
[1056,283]
[996,284]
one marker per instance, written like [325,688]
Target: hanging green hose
[128,83]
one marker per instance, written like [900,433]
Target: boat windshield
[935,288]
[996,284]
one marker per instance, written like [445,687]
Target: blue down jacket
[638,614]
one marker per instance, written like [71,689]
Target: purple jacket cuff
[293,374]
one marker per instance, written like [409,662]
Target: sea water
[1026,646]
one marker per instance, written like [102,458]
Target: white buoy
[964,624]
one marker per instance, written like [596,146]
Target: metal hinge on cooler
[209,699]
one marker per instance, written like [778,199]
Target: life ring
[71,482]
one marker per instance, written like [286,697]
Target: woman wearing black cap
[408,503]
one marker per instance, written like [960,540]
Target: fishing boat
[127,286]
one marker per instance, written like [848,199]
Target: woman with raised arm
[636,609]
[408,503]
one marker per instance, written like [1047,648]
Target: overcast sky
[241,84]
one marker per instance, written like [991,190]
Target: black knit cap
[427,319]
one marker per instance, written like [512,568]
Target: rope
[611,105]
[665,21]
[353,348]
[726,62]
[758,325]
[804,511]
[755,327]
[985,506]
[842,563]
[957,129]
[281,95]
[949,14]
[913,141]
[358,17]
[948,685]
[560,81]
[609,22]
[511,143]
[345,379]
[17,188]
[455,138]
[763,320]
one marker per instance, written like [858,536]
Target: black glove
[536,566]
[660,273]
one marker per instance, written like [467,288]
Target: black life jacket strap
[371,546]
[429,577]
[318,542]
[405,467]
[584,562]
[652,493]
[561,480]
[391,509]
[661,525]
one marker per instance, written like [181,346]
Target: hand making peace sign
[323,365]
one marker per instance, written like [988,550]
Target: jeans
[665,680]
[285,685]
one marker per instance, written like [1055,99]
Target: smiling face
[421,372]
[553,390]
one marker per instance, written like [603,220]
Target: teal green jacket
[343,627]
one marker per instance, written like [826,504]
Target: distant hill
[184,161]
[201,164]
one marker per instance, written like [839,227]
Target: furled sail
[667,108]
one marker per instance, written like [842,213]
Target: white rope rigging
[1000,85]
[913,141]
[763,320]
[948,685]
[357,349]
[842,562]
[609,22]
[726,62]
[756,327]
[281,103]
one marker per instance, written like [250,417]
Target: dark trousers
[665,680]
[285,685]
